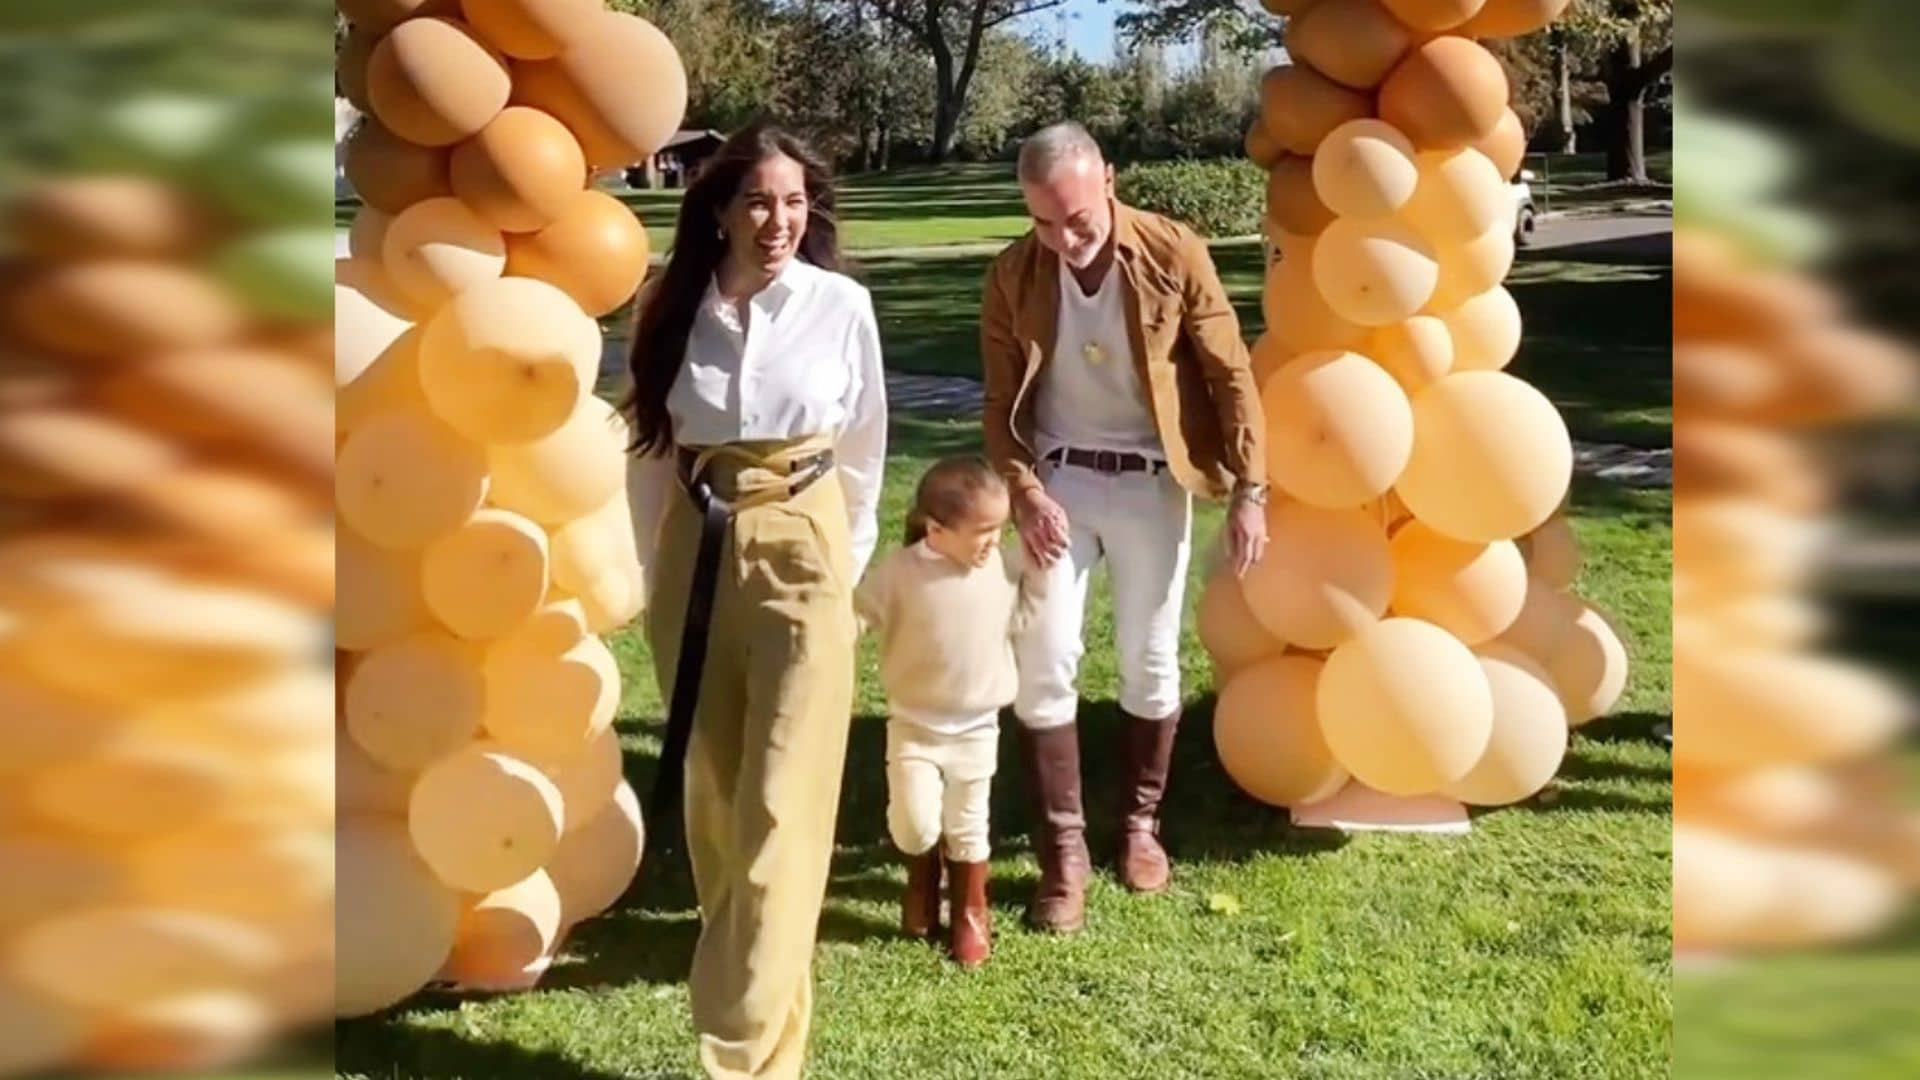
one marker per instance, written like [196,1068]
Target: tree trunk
[1626,113]
[1563,94]
[946,124]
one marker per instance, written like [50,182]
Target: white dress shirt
[804,361]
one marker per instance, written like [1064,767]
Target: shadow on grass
[381,1051]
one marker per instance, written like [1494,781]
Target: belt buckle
[1107,461]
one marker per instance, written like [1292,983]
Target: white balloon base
[1359,808]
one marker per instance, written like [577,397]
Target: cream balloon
[614,598]
[1502,434]
[1589,666]
[249,871]
[1474,591]
[503,941]
[1266,357]
[138,788]
[1506,145]
[559,625]
[395,920]
[1415,351]
[1365,169]
[412,703]
[1749,708]
[369,315]
[483,819]
[585,777]
[550,704]
[1471,269]
[1267,733]
[1339,429]
[1546,617]
[199,1030]
[390,383]
[1228,630]
[1405,707]
[509,360]
[1529,737]
[405,479]
[1326,575]
[1297,316]
[1460,196]
[114,956]
[364,787]
[1485,331]
[1374,272]
[566,474]
[598,543]
[487,576]
[1553,553]
[378,599]
[594,863]
[440,247]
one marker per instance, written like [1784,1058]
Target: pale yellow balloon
[1467,269]
[1529,737]
[1326,575]
[137,788]
[1721,888]
[509,360]
[417,700]
[362,786]
[484,819]
[438,248]
[1339,429]
[37,1033]
[1589,666]
[369,315]
[1461,196]
[1405,707]
[559,625]
[1298,318]
[378,598]
[1823,897]
[1474,591]
[487,576]
[1553,553]
[1374,272]
[1415,351]
[367,236]
[1365,169]
[1750,708]
[596,862]
[395,920]
[48,876]
[405,479]
[121,955]
[599,543]
[1733,544]
[566,474]
[504,940]
[1228,630]
[614,598]
[550,704]
[1546,618]
[585,776]
[1485,331]
[1491,460]
[391,381]
[233,868]
[1267,733]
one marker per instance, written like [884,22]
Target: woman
[759,414]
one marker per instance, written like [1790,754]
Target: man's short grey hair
[1047,149]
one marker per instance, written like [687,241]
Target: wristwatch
[1254,494]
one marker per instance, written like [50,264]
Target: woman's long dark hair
[667,307]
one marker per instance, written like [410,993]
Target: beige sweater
[946,633]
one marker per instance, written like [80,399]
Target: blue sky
[1090,30]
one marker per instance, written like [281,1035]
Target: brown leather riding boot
[1052,758]
[1143,862]
[970,933]
[920,904]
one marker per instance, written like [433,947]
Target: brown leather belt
[1110,462]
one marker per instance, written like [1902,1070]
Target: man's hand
[1042,524]
[1246,535]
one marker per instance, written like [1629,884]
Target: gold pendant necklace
[1094,353]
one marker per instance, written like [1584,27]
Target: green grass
[1536,947]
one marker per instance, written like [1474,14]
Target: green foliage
[1218,198]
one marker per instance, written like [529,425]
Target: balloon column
[1410,626]
[485,541]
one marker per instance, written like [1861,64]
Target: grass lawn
[1537,947]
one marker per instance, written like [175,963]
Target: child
[946,607]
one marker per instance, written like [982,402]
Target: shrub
[1222,197]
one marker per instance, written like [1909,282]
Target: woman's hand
[1043,526]
[1246,535]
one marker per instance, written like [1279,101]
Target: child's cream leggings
[937,785]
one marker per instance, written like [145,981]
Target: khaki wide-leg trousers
[767,750]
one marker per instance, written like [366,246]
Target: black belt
[1111,462]
[715,514]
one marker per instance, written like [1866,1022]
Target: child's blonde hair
[947,491]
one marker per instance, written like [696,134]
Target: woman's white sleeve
[862,449]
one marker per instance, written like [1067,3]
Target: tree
[952,32]
[1634,43]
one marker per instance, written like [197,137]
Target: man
[1117,387]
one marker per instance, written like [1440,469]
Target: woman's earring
[721,232]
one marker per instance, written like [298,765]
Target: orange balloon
[1325,576]
[1589,667]
[1506,146]
[1300,106]
[1267,733]
[1491,457]
[350,67]
[434,83]
[1293,204]
[1472,591]
[1470,269]
[379,16]
[1268,357]
[1552,553]
[1415,351]
[530,29]
[1227,628]
[1447,93]
[1260,147]
[1287,7]
[1433,16]
[1352,42]
[1405,707]
[521,172]
[1374,272]
[1365,169]
[596,251]
[1529,737]
[1511,18]
[1339,429]
[619,87]
[1485,331]
[391,173]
